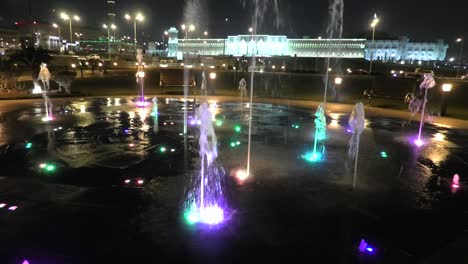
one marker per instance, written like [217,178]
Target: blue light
[369,249]
[312,156]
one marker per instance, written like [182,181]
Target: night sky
[420,20]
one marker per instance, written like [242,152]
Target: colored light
[127,181]
[439,137]
[162,149]
[131,145]
[212,215]
[28,145]
[2,205]
[46,119]
[369,249]
[219,123]
[192,216]
[25,262]
[140,182]
[296,126]
[383,154]
[42,165]
[192,122]
[233,144]
[12,208]
[50,168]
[142,104]
[242,175]
[237,128]
[419,142]
[312,157]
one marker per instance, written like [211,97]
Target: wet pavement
[105,181]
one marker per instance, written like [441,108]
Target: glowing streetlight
[373,25]
[138,17]
[165,34]
[446,89]
[461,41]
[66,17]
[206,33]
[108,36]
[187,29]
[338,80]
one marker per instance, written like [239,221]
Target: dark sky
[418,19]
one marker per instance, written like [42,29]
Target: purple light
[192,122]
[349,131]
[25,262]
[369,249]
[12,208]
[212,215]
[142,104]
[419,142]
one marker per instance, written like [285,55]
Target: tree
[32,58]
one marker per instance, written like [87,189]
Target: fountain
[334,30]
[48,107]
[140,75]
[357,123]
[44,76]
[456,181]
[260,9]
[205,202]
[155,115]
[428,83]
[320,134]
[203,90]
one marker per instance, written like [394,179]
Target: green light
[237,128]
[296,126]
[162,149]
[50,168]
[312,157]
[238,143]
[384,154]
[219,123]
[233,144]
[191,216]
[28,145]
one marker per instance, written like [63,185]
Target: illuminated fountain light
[37,88]
[242,175]
[320,134]
[439,137]
[365,248]
[2,205]
[25,261]
[12,208]
[142,104]
[418,142]
[428,83]
[205,200]
[456,181]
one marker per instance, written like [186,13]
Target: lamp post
[187,29]
[446,89]
[213,80]
[460,55]
[138,17]
[108,37]
[66,17]
[205,33]
[374,23]
[338,82]
[54,25]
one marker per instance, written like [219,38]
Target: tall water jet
[206,201]
[155,115]
[196,13]
[140,77]
[320,134]
[427,83]
[48,107]
[334,30]
[260,9]
[357,123]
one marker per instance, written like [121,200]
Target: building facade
[268,46]
[404,50]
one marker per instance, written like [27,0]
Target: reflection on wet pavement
[105,156]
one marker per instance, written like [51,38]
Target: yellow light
[213,75]
[128,17]
[192,27]
[100,64]
[73,65]
[113,26]
[439,137]
[64,16]
[77,18]
[183,26]
[139,17]
[55,25]
[141,74]
[104,26]
[447,87]
[115,63]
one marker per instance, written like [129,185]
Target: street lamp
[374,24]
[206,33]
[138,17]
[165,34]
[187,29]
[460,60]
[66,17]
[114,28]
[108,37]
[338,82]
[446,89]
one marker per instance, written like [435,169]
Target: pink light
[142,103]
[25,262]
[47,118]
[419,142]
[241,175]
[2,205]
[127,181]
[12,208]
[140,182]
[131,145]
[456,181]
